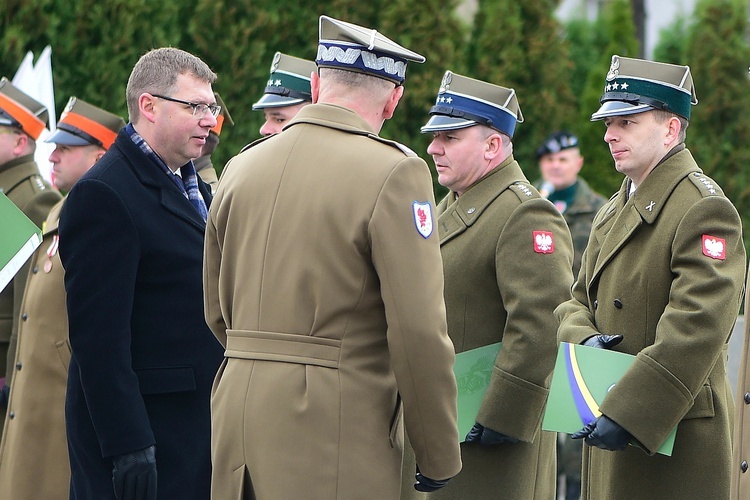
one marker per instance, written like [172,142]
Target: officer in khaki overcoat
[322,279]
[33,451]
[507,257]
[287,91]
[22,120]
[662,279]
[740,486]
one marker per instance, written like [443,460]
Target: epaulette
[37,183]
[524,191]
[255,143]
[398,145]
[705,184]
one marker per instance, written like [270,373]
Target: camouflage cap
[83,124]
[350,47]
[463,102]
[224,116]
[17,109]
[636,85]
[289,83]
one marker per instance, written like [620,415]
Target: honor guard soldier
[330,295]
[507,258]
[203,165]
[34,445]
[287,91]
[22,120]
[661,279]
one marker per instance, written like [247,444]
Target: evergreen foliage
[673,41]
[718,55]
[618,30]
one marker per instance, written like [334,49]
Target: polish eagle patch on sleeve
[714,247]
[544,241]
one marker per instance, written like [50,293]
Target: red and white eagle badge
[714,247]
[423,218]
[544,242]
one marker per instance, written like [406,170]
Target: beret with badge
[83,124]
[19,110]
[464,102]
[289,83]
[558,141]
[350,47]
[637,85]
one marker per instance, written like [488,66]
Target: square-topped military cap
[351,47]
[224,116]
[464,102]
[82,124]
[556,142]
[289,83]
[637,85]
[17,109]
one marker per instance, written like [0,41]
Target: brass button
[12,415]
[19,366]
[36,269]
[743,465]
[618,303]
[747,398]
[25,316]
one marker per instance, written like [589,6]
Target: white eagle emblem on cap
[423,218]
[446,83]
[614,69]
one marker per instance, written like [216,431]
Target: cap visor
[618,108]
[60,136]
[276,101]
[436,123]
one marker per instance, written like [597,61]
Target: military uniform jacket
[143,358]
[21,182]
[579,216]
[664,268]
[329,300]
[740,485]
[34,451]
[502,284]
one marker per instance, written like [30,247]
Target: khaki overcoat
[22,183]
[34,451]
[665,268]
[500,285]
[740,486]
[324,282]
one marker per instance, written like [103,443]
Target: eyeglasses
[199,108]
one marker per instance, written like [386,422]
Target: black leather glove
[4,396]
[604,433]
[134,475]
[487,437]
[427,484]
[603,341]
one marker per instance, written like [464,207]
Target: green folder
[583,375]
[473,370]
[20,237]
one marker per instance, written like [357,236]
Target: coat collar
[171,198]
[333,116]
[455,215]
[623,216]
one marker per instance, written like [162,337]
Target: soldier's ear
[314,86]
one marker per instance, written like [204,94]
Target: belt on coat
[284,347]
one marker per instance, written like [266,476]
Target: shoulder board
[398,145]
[705,184]
[255,143]
[524,190]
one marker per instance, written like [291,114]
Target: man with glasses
[22,120]
[131,242]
